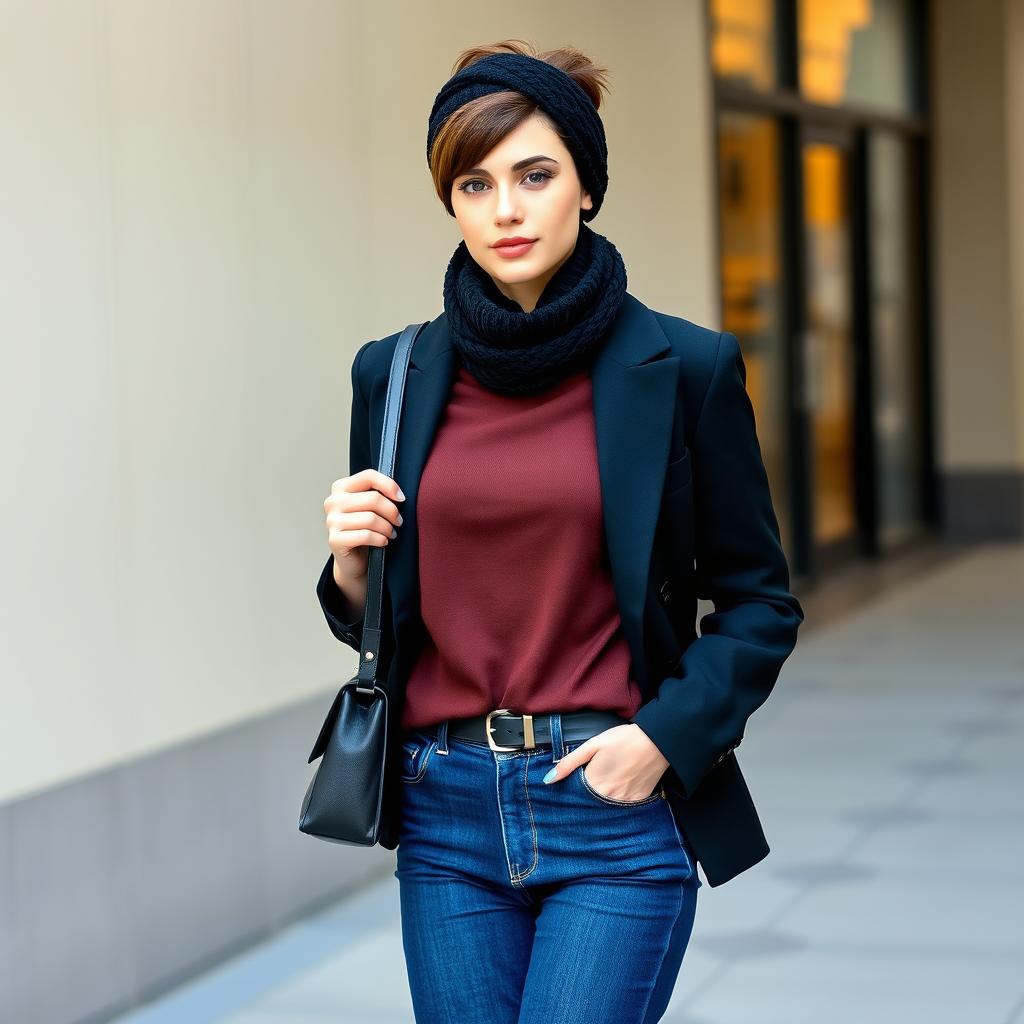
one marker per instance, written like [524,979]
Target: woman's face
[526,187]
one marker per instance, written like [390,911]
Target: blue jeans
[525,903]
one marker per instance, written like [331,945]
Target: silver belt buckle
[528,742]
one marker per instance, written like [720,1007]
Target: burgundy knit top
[515,586]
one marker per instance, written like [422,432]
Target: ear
[587,203]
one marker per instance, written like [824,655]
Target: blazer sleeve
[331,599]
[698,716]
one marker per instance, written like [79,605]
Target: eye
[465,186]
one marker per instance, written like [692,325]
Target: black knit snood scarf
[516,353]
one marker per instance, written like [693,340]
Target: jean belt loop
[557,747]
[442,738]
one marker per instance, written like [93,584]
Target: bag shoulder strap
[369,654]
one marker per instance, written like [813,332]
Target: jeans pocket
[598,797]
[581,773]
[417,750]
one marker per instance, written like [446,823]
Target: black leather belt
[507,730]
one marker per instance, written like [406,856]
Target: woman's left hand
[628,763]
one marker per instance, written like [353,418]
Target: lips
[512,250]
[513,242]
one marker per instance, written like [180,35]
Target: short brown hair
[478,126]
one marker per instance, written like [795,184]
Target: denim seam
[682,845]
[533,822]
[664,953]
[501,817]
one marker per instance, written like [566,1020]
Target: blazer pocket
[679,473]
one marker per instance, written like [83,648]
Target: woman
[574,470]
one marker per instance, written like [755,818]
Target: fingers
[362,511]
[344,538]
[568,764]
[365,492]
[369,478]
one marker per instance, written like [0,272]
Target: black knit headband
[554,91]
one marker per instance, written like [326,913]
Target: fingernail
[400,519]
[394,533]
[401,496]
[550,777]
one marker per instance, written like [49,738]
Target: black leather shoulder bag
[344,798]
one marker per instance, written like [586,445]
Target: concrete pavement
[886,768]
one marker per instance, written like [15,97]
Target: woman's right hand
[361,512]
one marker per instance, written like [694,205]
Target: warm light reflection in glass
[857,51]
[826,41]
[743,41]
[828,341]
[749,204]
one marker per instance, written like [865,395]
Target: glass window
[896,369]
[857,51]
[743,41]
[749,205]
[828,341]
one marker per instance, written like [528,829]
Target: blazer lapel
[634,391]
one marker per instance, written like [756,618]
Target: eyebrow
[517,166]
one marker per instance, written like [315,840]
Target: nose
[506,205]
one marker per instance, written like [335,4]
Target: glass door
[829,378]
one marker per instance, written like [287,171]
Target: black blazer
[687,514]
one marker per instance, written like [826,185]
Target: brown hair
[478,126]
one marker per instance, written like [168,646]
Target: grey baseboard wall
[982,505]
[121,884]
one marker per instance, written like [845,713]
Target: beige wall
[205,209]
[1013,54]
[978,210]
